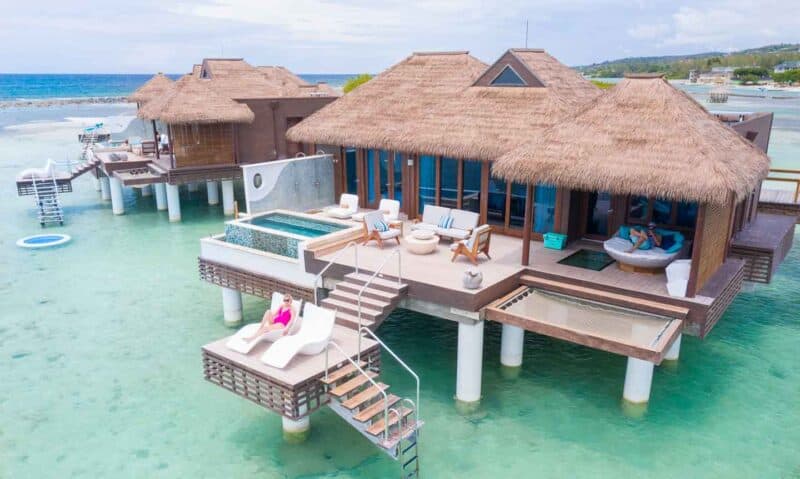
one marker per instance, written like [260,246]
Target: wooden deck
[763,245]
[294,391]
[435,279]
[779,202]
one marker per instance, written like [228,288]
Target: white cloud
[649,31]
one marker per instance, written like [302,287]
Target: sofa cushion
[432,213]
[464,220]
[453,233]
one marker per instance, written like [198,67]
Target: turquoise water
[296,225]
[100,352]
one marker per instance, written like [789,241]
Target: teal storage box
[555,240]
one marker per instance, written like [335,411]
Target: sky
[352,36]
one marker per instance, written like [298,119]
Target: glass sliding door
[351,171]
[427,181]
[544,208]
[598,209]
[397,180]
[516,219]
[496,211]
[384,166]
[370,179]
[448,189]
[471,185]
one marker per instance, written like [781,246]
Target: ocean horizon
[59,86]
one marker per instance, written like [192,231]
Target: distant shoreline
[45,103]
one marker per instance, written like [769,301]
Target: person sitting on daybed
[281,319]
[645,239]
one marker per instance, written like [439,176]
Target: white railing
[330,263]
[386,407]
[414,406]
[369,281]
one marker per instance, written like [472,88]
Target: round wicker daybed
[640,261]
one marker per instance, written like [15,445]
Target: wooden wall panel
[711,251]
[202,145]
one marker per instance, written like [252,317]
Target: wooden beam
[484,195]
[527,225]
[697,245]
[155,138]
[460,184]
[437,189]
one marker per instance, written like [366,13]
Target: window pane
[639,208]
[471,200]
[687,214]
[544,208]
[384,170]
[508,77]
[449,179]
[496,212]
[597,221]
[370,176]
[517,211]
[351,170]
[398,177]
[662,211]
[427,181]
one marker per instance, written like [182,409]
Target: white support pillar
[231,306]
[213,192]
[469,364]
[192,187]
[675,350]
[97,185]
[105,188]
[173,203]
[147,190]
[161,196]
[227,197]
[638,379]
[117,199]
[511,345]
[296,430]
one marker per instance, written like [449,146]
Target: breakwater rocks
[44,103]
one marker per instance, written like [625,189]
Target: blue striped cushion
[445,222]
[381,226]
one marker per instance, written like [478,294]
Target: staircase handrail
[401,362]
[369,281]
[372,381]
[330,263]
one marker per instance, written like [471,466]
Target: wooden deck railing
[788,176]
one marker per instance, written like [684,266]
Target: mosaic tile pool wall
[262,241]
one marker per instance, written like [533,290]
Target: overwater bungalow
[201,129]
[545,177]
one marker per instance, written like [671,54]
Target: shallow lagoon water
[100,352]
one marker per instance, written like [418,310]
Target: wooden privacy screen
[200,145]
[711,243]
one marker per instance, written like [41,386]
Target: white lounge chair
[389,208]
[476,244]
[431,217]
[47,172]
[315,332]
[348,206]
[373,234]
[240,344]
[462,225]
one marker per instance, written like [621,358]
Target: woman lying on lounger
[282,318]
[645,239]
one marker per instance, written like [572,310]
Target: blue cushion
[667,241]
[381,226]
[625,232]
[445,222]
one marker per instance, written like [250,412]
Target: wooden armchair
[477,243]
[373,234]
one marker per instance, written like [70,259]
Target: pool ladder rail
[48,205]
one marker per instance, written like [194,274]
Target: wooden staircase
[390,422]
[377,301]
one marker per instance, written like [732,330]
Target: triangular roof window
[508,77]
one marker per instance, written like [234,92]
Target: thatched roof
[643,137]
[153,88]
[294,86]
[428,103]
[237,79]
[192,101]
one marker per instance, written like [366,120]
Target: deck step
[344,371]
[378,426]
[351,321]
[352,384]
[366,302]
[370,292]
[350,308]
[384,284]
[375,408]
[365,396]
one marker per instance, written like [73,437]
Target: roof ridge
[445,52]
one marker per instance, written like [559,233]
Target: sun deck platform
[63,185]
[763,244]
[779,202]
[293,392]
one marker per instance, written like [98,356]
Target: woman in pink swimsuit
[280,319]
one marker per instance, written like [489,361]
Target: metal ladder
[48,205]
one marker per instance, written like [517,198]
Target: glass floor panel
[588,259]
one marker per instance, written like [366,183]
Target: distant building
[693,74]
[722,71]
[786,66]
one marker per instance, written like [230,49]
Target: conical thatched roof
[430,103]
[153,88]
[192,101]
[237,79]
[642,137]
